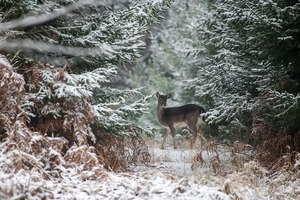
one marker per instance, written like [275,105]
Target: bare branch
[103,50]
[42,18]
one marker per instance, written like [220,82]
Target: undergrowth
[34,139]
[238,168]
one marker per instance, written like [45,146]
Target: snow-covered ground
[152,182]
[168,176]
[235,174]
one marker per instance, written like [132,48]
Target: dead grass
[235,169]
[49,131]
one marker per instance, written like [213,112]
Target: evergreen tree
[249,67]
[166,68]
[86,41]
[239,59]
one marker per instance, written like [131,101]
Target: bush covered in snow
[240,60]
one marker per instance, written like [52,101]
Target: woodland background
[78,78]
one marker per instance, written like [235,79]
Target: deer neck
[160,111]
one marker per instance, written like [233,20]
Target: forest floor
[219,172]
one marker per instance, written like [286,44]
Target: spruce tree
[68,52]
[166,67]
[249,70]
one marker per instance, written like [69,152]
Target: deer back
[175,115]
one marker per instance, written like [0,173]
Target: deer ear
[157,94]
[168,96]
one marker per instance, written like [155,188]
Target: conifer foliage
[62,56]
[249,70]
[240,59]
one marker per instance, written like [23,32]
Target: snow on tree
[165,67]
[239,59]
[248,68]
[84,43]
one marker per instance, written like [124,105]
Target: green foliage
[240,59]
[91,40]
[169,68]
[248,66]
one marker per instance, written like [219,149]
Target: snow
[168,176]
[45,17]
[3,61]
[151,184]
[285,38]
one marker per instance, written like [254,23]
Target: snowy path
[179,160]
[168,177]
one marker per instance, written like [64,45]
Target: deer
[171,118]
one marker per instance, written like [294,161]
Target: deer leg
[192,121]
[202,138]
[173,132]
[165,135]
[194,131]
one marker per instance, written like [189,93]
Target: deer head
[162,99]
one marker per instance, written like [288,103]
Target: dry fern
[116,153]
[244,184]
[274,146]
[44,132]
[197,161]
[212,152]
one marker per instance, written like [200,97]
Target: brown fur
[171,118]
